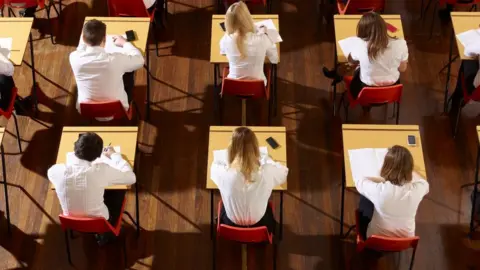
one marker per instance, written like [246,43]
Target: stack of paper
[271,31]
[469,37]
[350,44]
[6,46]
[366,162]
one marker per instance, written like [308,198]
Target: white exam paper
[469,37]
[366,162]
[349,44]
[271,31]
[6,46]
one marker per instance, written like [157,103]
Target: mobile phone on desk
[391,28]
[271,141]
[130,35]
[222,25]
[411,141]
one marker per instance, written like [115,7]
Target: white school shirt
[384,69]
[245,203]
[99,75]
[149,3]
[6,67]
[395,206]
[473,50]
[257,46]
[80,184]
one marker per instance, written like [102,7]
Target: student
[6,81]
[246,180]
[103,76]
[245,45]
[379,58]
[389,203]
[80,183]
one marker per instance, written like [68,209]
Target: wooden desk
[464,21]
[19,30]
[377,136]
[346,26]
[219,138]
[125,137]
[217,34]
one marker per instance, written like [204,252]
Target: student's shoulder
[399,43]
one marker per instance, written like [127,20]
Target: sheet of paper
[366,162]
[469,37]
[271,31]
[6,46]
[349,44]
[110,46]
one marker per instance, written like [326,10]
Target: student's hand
[119,41]
[262,29]
[108,151]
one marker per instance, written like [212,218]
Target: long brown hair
[397,166]
[239,22]
[243,150]
[373,29]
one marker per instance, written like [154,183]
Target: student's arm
[117,170]
[403,56]
[272,52]
[420,183]
[217,171]
[368,188]
[277,171]
[6,67]
[55,173]
[130,59]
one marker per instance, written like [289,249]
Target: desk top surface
[19,30]
[464,21]
[219,138]
[381,136]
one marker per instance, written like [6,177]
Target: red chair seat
[105,109]
[360,6]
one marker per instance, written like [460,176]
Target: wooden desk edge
[380,127]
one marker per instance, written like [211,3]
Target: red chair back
[458,2]
[127,8]
[381,243]
[9,111]
[360,6]
[104,109]
[243,235]
[24,3]
[374,95]
[245,88]
[255,2]
[475,95]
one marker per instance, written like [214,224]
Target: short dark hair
[89,146]
[94,32]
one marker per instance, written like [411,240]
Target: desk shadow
[460,252]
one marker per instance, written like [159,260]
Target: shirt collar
[95,49]
[72,159]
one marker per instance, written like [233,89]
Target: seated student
[103,76]
[6,81]
[246,180]
[389,203]
[245,45]
[80,183]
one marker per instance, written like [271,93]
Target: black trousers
[6,86]
[365,209]
[468,69]
[159,6]
[267,220]
[357,85]
[129,84]
[113,199]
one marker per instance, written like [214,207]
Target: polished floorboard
[172,165]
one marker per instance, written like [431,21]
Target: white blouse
[473,50]
[258,45]
[384,69]
[245,203]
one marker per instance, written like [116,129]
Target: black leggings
[365,209]
[357,85]
[113,199]
[468,69]
[6,86]
[267,220]
[129,84]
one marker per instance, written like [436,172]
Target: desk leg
[343,201]
[7,207]
[216,92]
[137,209]
[472,216]
[211,214]
[280,233]
[147,107]
[334,98]
[34,87]
[445,99]
[274,92]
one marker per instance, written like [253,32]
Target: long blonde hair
[239,22]
[397,166]
[373,29]
[243,150]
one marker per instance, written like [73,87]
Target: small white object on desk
[271,30]
[366,162]
[469,37]
[6,46]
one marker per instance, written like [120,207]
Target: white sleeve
[403,51]
[422,185]
[371,190]
[272,52]
[223,45]
[276,171]
[55,173]
[118,170]
[130,60]
[472,50]
[6,67]
[217,172]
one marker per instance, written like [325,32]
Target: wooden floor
[174,204]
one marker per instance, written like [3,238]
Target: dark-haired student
[103,76]
[389,201]
[81,182]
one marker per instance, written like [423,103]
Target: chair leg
[413,258]
[47,10]
[275,256]
[244,112]
[398,112]
[18,133]
[433,18]
[214,251]
[68,248]
[155,38]
[457,119]
[125,258]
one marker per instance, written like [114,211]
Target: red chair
[244,235]
[266,3]
[475,96]
[16,4]
[385,244]
[246,89]
[374,96]
[360,6]
[133,8]
[10,111]
[105,109]
[94,225]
